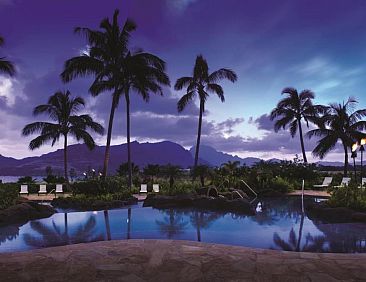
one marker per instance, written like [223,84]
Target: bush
[182,187]
[349,197]
[8,195]
[110,185]
[281,185]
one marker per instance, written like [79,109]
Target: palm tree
[117,69]
[202,83]
[202,171]
[339,123]
[151,170]
[292,109]
[172,172]
[62,109]
[6,67]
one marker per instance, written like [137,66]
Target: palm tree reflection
[9,233]
[54,236]
[172,225]
[202,220]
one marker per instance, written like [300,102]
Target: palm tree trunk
[109,137]
[65,159]
[300,233]
[302,143]
[198,136]
[345,160]
[107,226]
[128,141]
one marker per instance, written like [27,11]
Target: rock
[359,216]
[24,212]
[198,201]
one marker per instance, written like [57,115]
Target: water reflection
[47,236]
[278,224]
[172,223]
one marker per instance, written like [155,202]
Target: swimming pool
[277,224]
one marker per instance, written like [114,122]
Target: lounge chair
[156,188]
[42,189]
[59,189]
[24,189]
[363,183]
[143,188]
[345,181]
[327,181]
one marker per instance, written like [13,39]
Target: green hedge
[8,194]
[111,185]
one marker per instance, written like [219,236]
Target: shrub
[281,185]
[349,197]
[182,187]
[109,185]
[8,195]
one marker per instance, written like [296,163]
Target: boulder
[24,212]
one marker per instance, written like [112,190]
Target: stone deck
[165,260]
[313,193]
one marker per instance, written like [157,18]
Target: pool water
[278,224]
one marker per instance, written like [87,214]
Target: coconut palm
[62,109]
[291,110]
[117,69]
[6,67]
[151,170]
[172,172]
[201,84]
[339,123]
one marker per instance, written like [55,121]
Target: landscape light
[363,141]
[354,147]
[93,170]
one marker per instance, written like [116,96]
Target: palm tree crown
[118,69]
[201,84]
[6,67]
[62,109]
[339,123]
[292,109]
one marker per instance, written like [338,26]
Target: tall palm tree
[62,109]
[202,83]
[6,67]
[117,69]
[340,122]
[291,110]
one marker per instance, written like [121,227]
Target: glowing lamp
[354,147]
[363,141]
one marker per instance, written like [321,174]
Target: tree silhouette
[62,109]
[172,225]
[6,67]
[291,110]
[118,69]
[339,123]
[201,84]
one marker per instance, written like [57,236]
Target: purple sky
[271,44]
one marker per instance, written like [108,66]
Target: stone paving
[313,193]
[166,260]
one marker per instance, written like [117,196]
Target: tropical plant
[200,84]
[151,170]
[123,169]
[340,122]
[172,172]
[291,110]
[26,179]
[6,67]
[62,109]
[117,69]
[201,171]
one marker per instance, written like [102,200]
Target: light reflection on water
[277,224]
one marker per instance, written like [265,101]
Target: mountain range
[82,159]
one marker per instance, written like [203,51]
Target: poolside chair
[143,188]
[327,181]
[363,183]
[156,188]
[24,189]
[59,189]
[345,181]
[42,189]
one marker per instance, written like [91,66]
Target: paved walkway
[314,193]
[47,198]
[165,260]
[140,197]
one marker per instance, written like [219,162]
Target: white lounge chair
[327,181]
[156,188]
[42,189]
[24,189]
[345,181]
[59,189]
[143,188]
[363,183]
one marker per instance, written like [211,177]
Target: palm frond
[7,67]
[182,82]
[215,88]
[183,102]
[223,73]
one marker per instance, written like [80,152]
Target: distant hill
[216,158]
[162,153]
[81,158]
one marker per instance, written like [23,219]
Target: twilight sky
[271,44]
